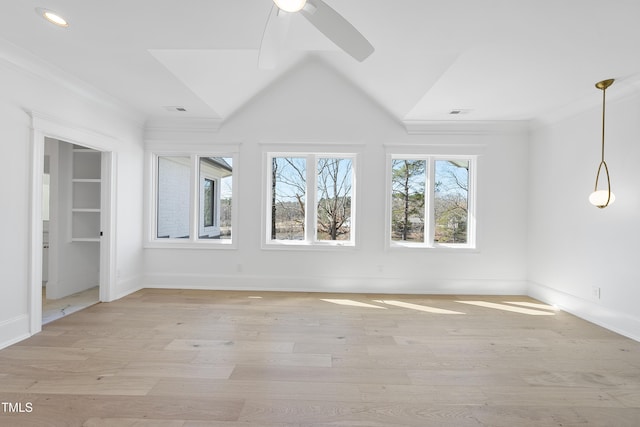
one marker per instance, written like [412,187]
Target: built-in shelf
[85,201]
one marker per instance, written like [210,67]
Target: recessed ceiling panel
[224,79]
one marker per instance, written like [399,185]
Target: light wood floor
[201,358]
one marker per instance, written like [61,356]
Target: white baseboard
[611,319]
[14,330]
[127,286]
[244,282]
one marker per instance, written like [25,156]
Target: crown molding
[180,129]
[19,60]
[465,127]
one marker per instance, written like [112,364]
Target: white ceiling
[493,59]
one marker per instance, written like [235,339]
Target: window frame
[194,240]
[310,241]
[429,242]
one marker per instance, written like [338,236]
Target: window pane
[288,198]
[451,200]
[174,174]
[216,183]
[334,199]
[407,200]
[208,208]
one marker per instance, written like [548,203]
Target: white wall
[313,106]
[29,85]
[574,247]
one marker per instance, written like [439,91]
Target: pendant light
[602,198]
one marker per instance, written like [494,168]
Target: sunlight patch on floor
[505,307]
[424,308]
[352,303]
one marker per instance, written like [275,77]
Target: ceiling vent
[458,111]
[173,108]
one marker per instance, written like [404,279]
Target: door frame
[47,127]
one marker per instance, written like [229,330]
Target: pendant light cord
[604,94]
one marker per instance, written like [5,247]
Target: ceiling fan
[320,15]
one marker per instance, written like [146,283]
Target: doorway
[71,207]
[71,253]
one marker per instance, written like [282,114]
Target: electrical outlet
[595,292]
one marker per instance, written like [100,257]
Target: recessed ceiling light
[53,17]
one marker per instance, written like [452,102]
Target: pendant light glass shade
[602,198]
[290,5]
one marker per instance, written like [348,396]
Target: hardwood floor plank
[131,422]
[423,394]
[230,345]
[311,374]
[314,413]
[466,377]
[584,379]
[256,358]
[549,396]
[178,370]
[257,390]
[94,385]
[24,353]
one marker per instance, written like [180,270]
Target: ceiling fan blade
[273,37]
[337,29]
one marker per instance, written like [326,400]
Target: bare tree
[288,192]
[334,196]
[451,202]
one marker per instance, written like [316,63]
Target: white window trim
[151,185]
[429,243]
[310,242]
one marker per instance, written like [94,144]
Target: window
[310,199]
[431,201]
[193,198]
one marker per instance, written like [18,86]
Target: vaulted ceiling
[487,59]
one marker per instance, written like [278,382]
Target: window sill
[298,245]
[189,244]
[443,248]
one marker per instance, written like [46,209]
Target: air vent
[173,108]
[457,111]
